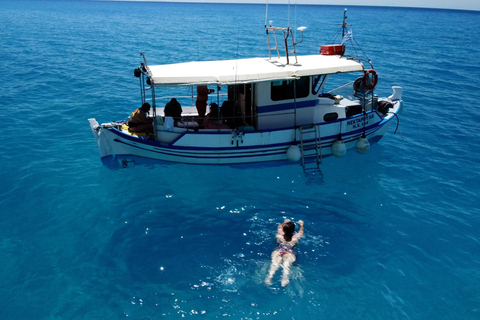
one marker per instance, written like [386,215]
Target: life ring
[366,83]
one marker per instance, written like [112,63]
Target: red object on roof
[333,49]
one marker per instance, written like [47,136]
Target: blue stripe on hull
[286,106]
[154,152]
[214,153]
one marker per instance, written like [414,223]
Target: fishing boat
[280,109]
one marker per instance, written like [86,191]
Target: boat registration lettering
[358,123]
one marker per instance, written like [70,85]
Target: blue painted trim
[273,149]
[286,106]
[194,152]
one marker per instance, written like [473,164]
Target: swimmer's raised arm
[300,223]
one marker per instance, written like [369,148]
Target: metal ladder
[287,33]
[310,159]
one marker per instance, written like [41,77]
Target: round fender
[366,77]
[293,153]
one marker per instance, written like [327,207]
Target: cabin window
[285,89]
[317,83]
[330,116]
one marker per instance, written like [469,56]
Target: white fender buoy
[362,146]
[293,153]
[338,148]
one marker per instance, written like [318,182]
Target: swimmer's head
[288,230]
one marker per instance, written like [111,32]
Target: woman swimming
[283,255]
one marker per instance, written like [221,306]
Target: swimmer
[283,255]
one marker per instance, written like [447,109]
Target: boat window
[330,116]
[317,82]
[284,90]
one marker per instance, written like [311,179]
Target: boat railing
[187,101]
[195,123]
[183,97]
[341,87]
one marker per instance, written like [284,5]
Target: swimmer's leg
[276,259]
[288,259]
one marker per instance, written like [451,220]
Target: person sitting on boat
[214,119]
[232,114]
[138,121]
[283,255]
[173,109]
[202,97]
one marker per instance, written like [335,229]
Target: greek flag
[347,36]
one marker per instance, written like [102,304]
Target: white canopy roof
[224,72]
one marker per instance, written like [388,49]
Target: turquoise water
[389,235]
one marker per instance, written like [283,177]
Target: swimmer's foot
[268,282]
[285,282]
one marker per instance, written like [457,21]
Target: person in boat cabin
[231,112]
[284,255]
[214,119]
[202,97]
[138,120]
[173,109]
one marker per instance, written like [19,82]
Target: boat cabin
[270,105]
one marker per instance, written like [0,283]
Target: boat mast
[144,72]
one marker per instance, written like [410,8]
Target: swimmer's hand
[300,222]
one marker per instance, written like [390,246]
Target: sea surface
[393,234]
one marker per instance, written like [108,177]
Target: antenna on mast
[344,24]
[266,16]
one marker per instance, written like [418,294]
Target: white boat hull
[233,147]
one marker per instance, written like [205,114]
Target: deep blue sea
[393,234]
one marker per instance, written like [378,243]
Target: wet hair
[288,230]
[145,107]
